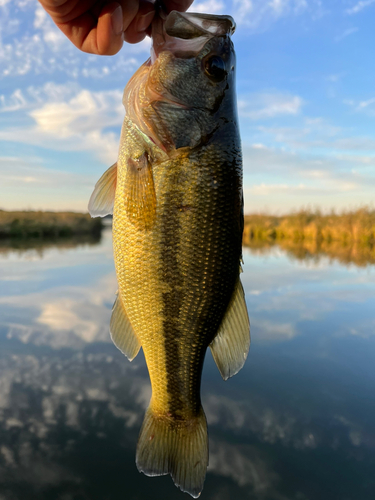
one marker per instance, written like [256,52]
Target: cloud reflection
[52,405]
[71,405]
[83,395]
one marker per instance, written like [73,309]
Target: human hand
[100,27]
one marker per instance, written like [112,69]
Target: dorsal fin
[231,344]
[103,197]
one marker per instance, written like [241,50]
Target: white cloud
[335,77]
[52,36]
[346,33]
[359,6]
[364,329]
[208,6]
[244,466]
[243,8]
[26,182]
[329,187]
[366,104]
[15,102]
[273,330]
[31,44]
[316,134]
[40,17]
[52,92]
[267,105]
[348,143]
[258,14]
[270,189]
[278,6]
[311,164]
[300,5]
[275,178]
[84,113]
[24,4]
[361,160]
[66,316]
[72,119]
[14,171]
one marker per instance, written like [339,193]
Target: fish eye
[214,68]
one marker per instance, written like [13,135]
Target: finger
[110,30]
[102,36]
[138,27]
[101,33]
[129,11]
[110,33]
[81,31]
[64,11]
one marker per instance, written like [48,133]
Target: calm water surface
[297,423]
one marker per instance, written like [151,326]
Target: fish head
[182,94]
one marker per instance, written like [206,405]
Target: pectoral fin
[140,192]
[231,344]
[122,332]
[103,197]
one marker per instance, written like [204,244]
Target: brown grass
[47,224]
[348,237]
[348,227]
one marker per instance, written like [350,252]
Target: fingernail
[116,21]
[145,21]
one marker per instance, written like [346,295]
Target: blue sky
[306,96]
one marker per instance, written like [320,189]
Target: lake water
[297,423]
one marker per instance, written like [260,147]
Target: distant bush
[347,227]
[31,224]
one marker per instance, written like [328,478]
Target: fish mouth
[186,32]
[184,35]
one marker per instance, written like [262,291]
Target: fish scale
[168,257]
[177,232]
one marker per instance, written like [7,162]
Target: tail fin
[178,448]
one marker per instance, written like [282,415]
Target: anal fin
[122,332]
[232,342]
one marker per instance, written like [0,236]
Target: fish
[177,201]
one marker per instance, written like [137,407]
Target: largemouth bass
[176,197]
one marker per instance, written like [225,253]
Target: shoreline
[39,224]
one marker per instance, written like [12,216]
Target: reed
[30,224]
[347,227]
